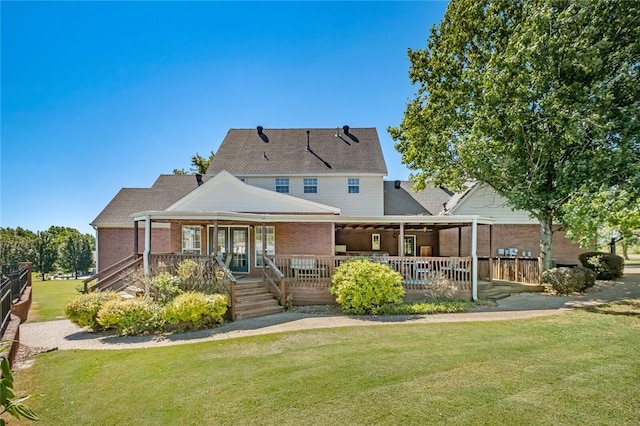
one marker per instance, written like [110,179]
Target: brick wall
[304,238]
[115,244]
[521,237]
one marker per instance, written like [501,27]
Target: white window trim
[304,185]
[349,185]
[257,229]
[197,240]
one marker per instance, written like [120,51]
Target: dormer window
[282,185]
[310,185]
[353,185]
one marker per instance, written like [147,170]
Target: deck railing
[414,270]
[110,275]
[275,278]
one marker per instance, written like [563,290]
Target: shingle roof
[284,152]
[403,201]
[165,191]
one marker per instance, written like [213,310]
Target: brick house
[306,198]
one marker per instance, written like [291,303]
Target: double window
[191,239]
[353,186]
[282,185]
[310,185]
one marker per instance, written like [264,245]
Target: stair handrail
[107,271]
[231,288]
[277,281]
[113,274]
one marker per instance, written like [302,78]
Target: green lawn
[576,368]
[50,297]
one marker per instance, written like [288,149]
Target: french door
[234,241]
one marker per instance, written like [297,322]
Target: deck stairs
[253,299]
[496,289]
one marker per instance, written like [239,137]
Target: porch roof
[370,221]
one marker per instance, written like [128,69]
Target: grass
[576,368]
[50,297]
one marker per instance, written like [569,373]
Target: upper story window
[191,239]
[310,185]
[282,185]
[353,186]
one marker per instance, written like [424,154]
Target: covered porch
[306,249]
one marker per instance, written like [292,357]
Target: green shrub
[195,311]
[362,286]
[565,280]
[165,287]
[133,316]
[83,309]
[605,265]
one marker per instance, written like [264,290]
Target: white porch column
[474,259]
[401,240]
[147,245]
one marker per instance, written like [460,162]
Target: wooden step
[253,299]
[270,310]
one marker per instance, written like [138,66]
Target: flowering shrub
[440,287]
[83,309]
[194,311]
[565,280]
[362,286]
[165,286]
[133,316]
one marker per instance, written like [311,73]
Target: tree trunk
[625,250]
[546,236]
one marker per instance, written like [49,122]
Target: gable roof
[244,152]
[404,201]
[165,191]
[225,192]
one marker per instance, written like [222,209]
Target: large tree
[539,99]
[199,164]
[16,245]
[46,253]
[76,254]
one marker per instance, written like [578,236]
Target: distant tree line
[57,249]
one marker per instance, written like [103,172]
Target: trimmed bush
[195,311]
[83,309]
[133,316]
[589,276]
[362,286]
[605,265]
[565,280]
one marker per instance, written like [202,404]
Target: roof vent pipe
[308,147]
[345,129]
[199,179]
[259,128]
[396,184]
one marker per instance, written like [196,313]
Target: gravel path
[64,335]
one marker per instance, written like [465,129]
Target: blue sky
[96,96]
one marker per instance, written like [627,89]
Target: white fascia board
[130,225]
[313,218]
